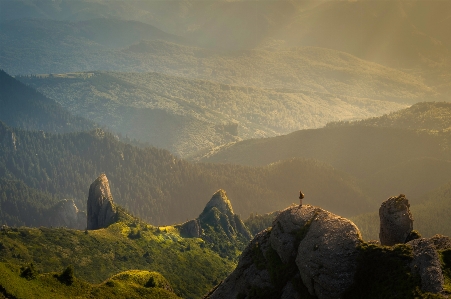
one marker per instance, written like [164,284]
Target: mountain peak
[220,201]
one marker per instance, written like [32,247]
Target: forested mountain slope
[24,107]
[159,187]
[388,160]
[430,116]
[186,116]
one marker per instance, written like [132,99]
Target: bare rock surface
[289,291]
[247,274]
[327,255]
[101,210]
[426,262]
[396,222]
[285,228]
[191,229]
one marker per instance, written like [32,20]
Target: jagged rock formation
[101,210]
[219,212]
[305,244]
[426,262]
[191,229]
[66,214]
[218,226]
[396,222]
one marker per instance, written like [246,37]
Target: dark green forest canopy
[158,187]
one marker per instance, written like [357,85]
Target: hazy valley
[124,123]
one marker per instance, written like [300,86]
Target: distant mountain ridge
[377,151]
[24,107]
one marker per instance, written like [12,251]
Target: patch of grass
[128,284]
[191,267]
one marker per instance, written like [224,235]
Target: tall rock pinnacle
[396,220]
[101,210]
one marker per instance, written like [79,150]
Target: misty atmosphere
[157,149]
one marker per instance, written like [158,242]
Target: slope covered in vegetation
[17,282]
[186,115]
[24,107]
[158,187]
[127,244]
[387,159]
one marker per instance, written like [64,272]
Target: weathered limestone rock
[426,262]
[327,255]
[191,229]
[286,228]
[101,210]
[66,214]
[396,222]
[247,274]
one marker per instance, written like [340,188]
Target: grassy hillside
[127,284]
[190,266]
[24,107]
[187,116]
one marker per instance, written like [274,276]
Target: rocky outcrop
[305,244]
[396,222]
[66,214]
[191,229]
[426,262]
[288,228]
[327,255]
[101,210]
[249,273]
[219,213]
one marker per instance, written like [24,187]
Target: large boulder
[101,210]
[327,255]
[426,262]
[287,229]
[249,274]
[306,245]
[396,222]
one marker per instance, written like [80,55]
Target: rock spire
[396,222]
[101,210]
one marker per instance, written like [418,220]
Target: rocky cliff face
[66,214]
[219,213]
[219,226]
[308,251]
[311,253]
[396,222]
[101,210]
